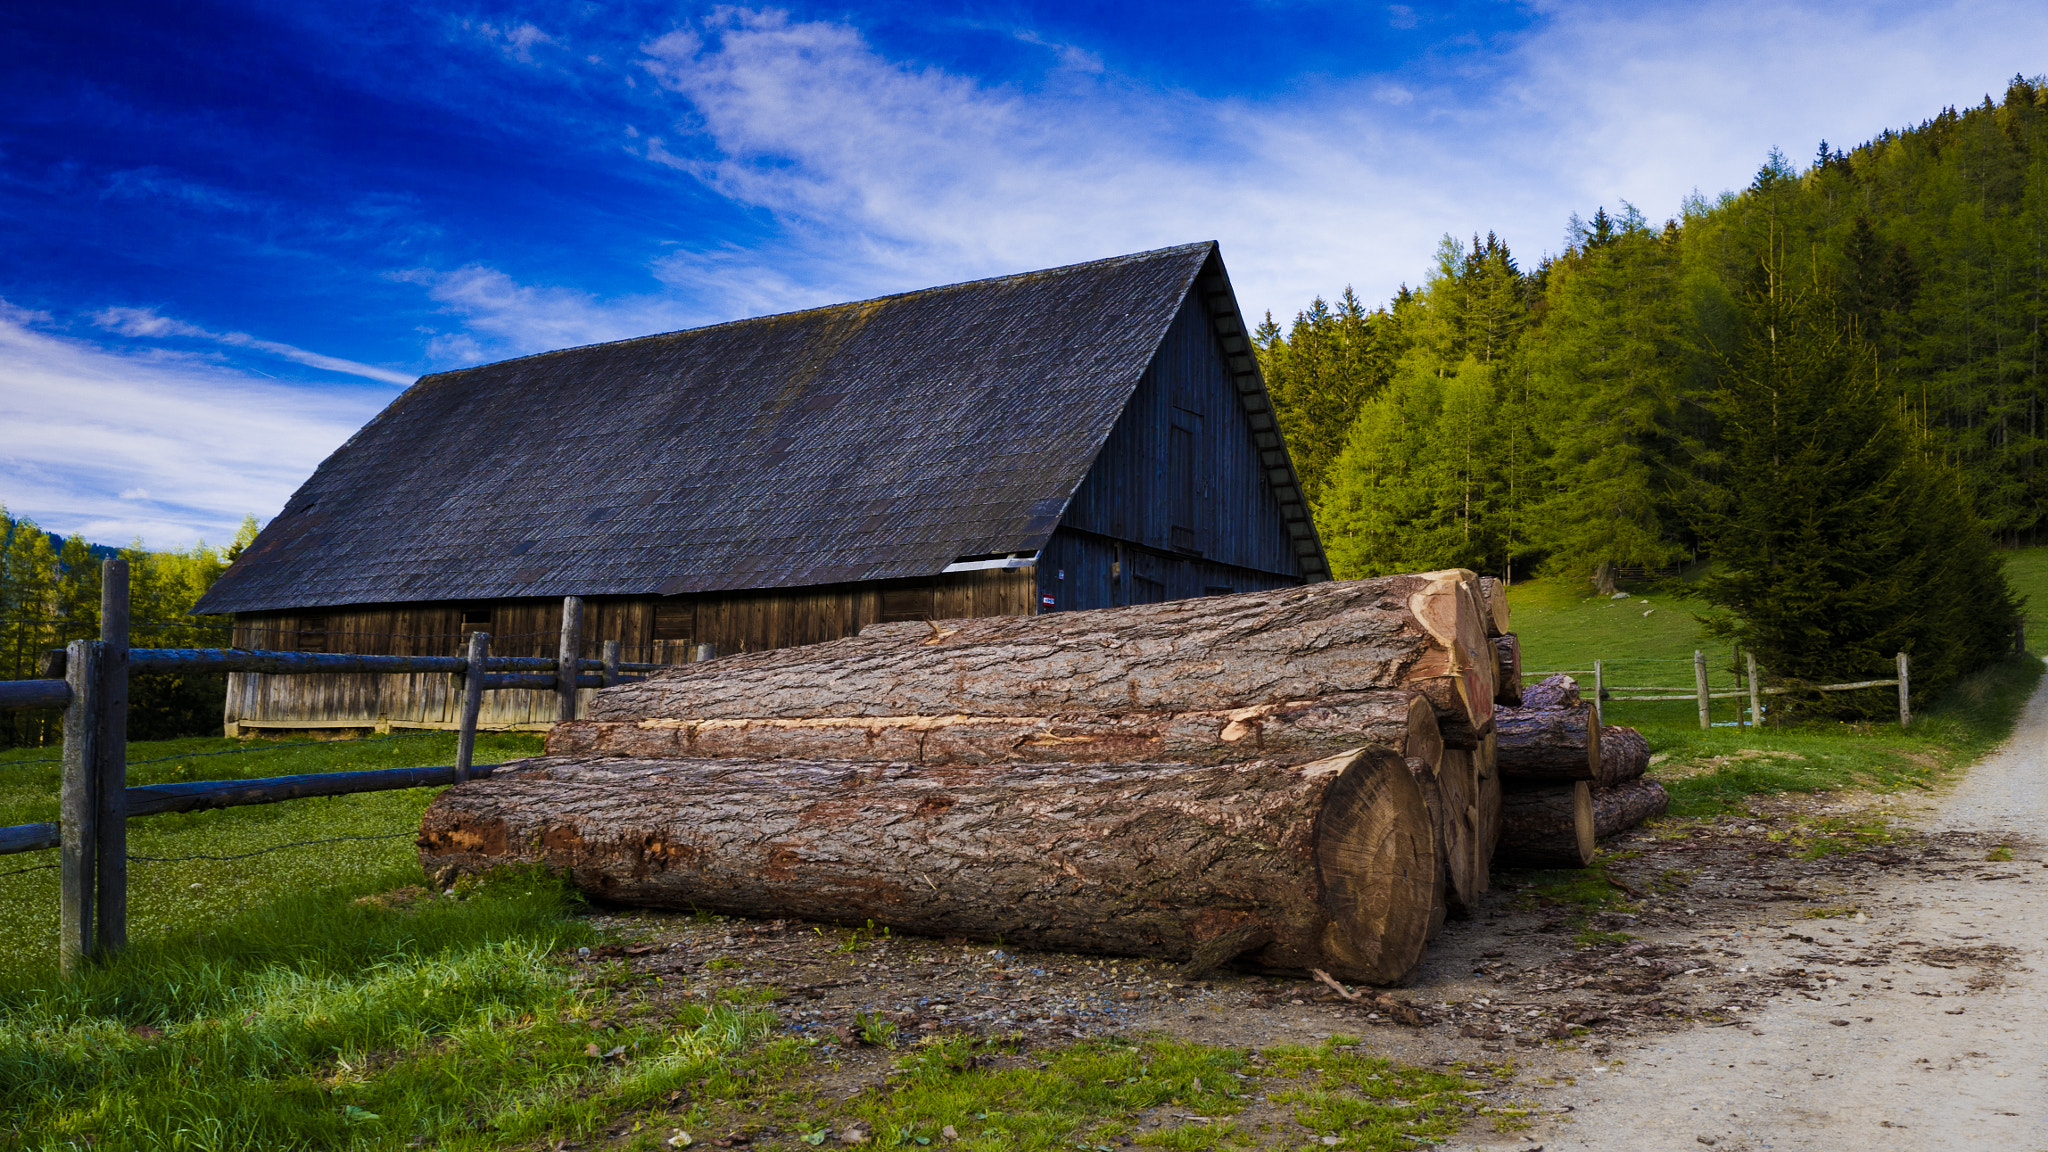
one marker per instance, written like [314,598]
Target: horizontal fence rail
[34,694]
[88,679]
[1751,686]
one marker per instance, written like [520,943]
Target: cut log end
[1622,807]
[1551,827]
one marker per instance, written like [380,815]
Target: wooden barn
[1082,437]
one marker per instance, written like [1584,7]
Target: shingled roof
[863,441]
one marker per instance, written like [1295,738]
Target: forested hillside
[50,595]
[1574,414]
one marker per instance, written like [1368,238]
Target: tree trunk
[1624,755]
[1622,807]
[1324,865]
[1547,827]
[1217,653]
[1559,691]
[1551,744]
[1603,578]
[1495,594]
[1292,732]
[1507,672]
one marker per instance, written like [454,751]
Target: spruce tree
[1837,541]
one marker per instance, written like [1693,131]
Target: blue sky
[231,233]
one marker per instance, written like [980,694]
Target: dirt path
[1933,1036]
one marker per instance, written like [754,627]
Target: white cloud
[523,318]
[516,41]
[885,174]
[191,447]
[147,324]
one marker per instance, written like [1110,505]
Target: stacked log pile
[1570,780]
[1289,780]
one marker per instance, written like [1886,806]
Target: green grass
[1717,770]
[164,898]
[323,1020]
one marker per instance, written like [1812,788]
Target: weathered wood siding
[1177,504]
[649,630]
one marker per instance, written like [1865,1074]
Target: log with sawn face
[1327,865]
[1290,732]
[1625,805]
[1423,632]
[1547,744]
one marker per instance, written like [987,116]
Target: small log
[1624,755]
[1507,672]
[1333,858]
[1495,595]
[1422,632]
[1559,691]
[1552,744]
[1549,827]
[1622,807]
[1292,732]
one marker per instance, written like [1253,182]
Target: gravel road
[1935,1039]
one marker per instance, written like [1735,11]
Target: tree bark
[1422,632]
[1507,672]
[1549,827]
[1495,594]
[1292,732]
[1559,691]
[1324,865]
[1624,755]
[1622,807]
[1551,744]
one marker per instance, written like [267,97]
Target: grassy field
[368,837]
[1648,640]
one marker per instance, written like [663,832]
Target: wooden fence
[96,802]
[1749,685]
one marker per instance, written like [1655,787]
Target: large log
[1291,732]
[1624,755]
[1559,691]
[1460,833]
[1423,632]
[1622,807]
[1548,827]
[1547,744]
[1507,672]
[1487,820]
[1439,819]
[1324,865]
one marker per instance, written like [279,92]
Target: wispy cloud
[146,323]
[889,173]
[164,448]
[520,318]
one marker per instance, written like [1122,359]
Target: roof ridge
[957,285]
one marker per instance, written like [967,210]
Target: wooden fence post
[111,868]
[79,797]
[1699,676]
[611,663]
[1736,655]
[1599,691]
[569,660]
[1905,691]
[1756,715]
[472,702]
